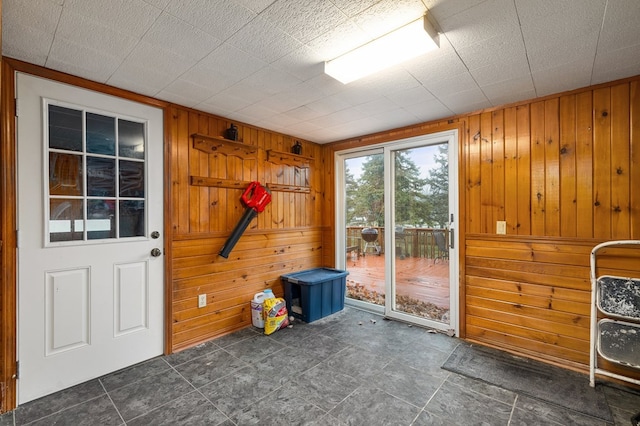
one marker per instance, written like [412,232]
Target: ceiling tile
[507,91]
[303,62]
[429,109]
[41,14]
[271,80]
[484,21]
[620,25]
[82,61]
[26,43]
[264,40]
[229,61]
[220,18]
[256,6]
[451,84]
[397,13]
[506,49]
[156,57]
[442,9]
[411,96]
[459,102]
[616,64]
[566,76]
[304,20]
[552,39]
[133,17]
[339,40]
[228,101]
[192,94]
[181,38]
[89,32]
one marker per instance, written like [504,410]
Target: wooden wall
[564,173]
[205,207]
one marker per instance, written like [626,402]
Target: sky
[423,157]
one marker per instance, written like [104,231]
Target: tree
[437,189]
[351,189]
[368,201]
[411,203]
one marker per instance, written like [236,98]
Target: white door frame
[449,136]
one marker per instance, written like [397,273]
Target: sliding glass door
[396,216]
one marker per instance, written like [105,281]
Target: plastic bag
[275,315]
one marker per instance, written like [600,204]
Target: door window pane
[130,139]
[131,218]
[101,134]
[101,219]
[65,174]
[364,214]
[421,212]
[65,220]
[96,179]
[101,177]
[65,128]
[131,179]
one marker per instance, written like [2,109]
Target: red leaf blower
[255,197]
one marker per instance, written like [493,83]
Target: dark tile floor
[341,370]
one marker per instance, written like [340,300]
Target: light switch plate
[202,300]
[501,227]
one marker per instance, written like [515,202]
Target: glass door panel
[364,228]
[420,221]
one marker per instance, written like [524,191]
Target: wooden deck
[420,278]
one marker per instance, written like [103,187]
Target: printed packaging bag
[275,315]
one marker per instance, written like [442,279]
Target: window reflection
[101,134]
[130,139]
[65,174]
[65,220]
[101,177]
[65,128]
[131,218]
[131,179]
[100,219]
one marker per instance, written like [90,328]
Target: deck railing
[414,242]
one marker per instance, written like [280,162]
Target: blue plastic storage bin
[314,293]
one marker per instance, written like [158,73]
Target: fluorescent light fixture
[407,42]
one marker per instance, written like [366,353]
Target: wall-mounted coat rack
[220,145]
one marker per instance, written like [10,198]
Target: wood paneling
[564,172]
[206,189]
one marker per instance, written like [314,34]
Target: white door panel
[91,304]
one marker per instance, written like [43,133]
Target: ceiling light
[407,42]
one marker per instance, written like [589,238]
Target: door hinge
[17,375]
[16,106]
[18,238]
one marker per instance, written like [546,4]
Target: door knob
[156,252]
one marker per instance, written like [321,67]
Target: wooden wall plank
[584,165]
[511,170]
[487,221]
[620,163]
[474,178]
[552,168]
[634,166]
[523,126]
[497,168]
[537,168]
[602,163]
[568,196]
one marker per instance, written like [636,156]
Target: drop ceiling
[261,61]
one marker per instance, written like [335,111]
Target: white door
[90,188]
